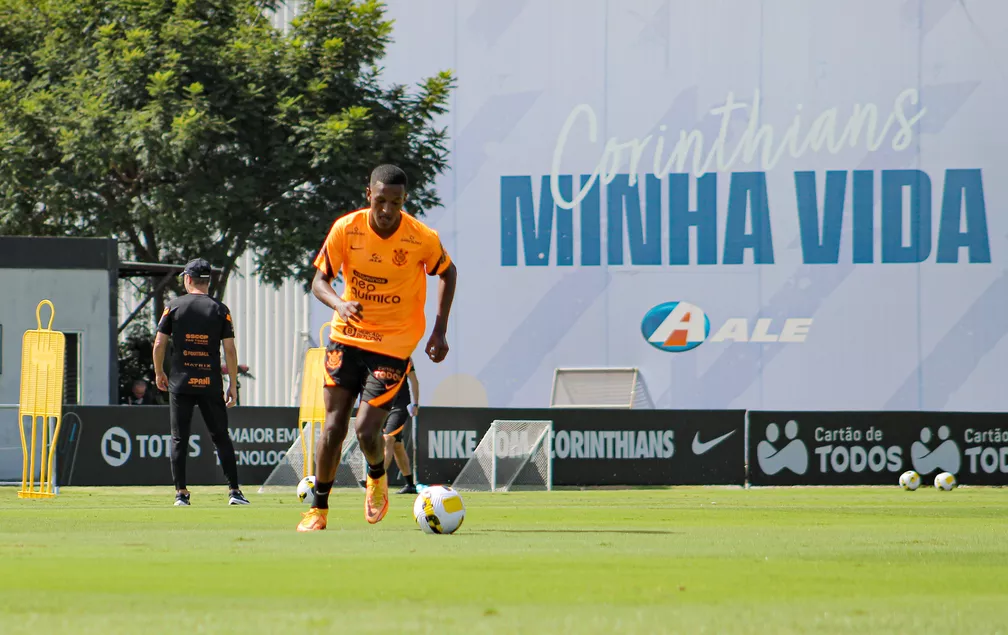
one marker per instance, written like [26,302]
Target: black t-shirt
[196,323]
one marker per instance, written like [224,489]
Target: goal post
[599,388]
[513,455]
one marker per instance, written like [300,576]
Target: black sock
[409,479]
[376,471]
[322,489]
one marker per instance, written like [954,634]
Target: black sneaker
[237,498]
[181,500]
[408,489]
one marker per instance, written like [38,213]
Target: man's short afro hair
[389,175]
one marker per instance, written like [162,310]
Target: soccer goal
[293,467]
[511,456]
[599,388]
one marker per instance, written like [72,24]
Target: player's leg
[389,451]
[385,378]
[338,404]
[215,416]
[402,461]
[395,433]
[180,411]
[370,420]
[394,424]
[328,453]
[342,385]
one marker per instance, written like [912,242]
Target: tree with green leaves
[195,127]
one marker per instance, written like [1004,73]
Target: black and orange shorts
[375,377]
[397,425]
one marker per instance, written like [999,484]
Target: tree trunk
[159,305]
[219,286]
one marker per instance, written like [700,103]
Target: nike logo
[703,447]
[355,248]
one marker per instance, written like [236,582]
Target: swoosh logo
[704,447]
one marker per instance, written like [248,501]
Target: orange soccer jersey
[386,275]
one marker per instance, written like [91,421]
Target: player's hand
[161,380]
[350,310]
[232,396]
[413,409]
[437,347]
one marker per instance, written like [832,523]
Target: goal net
[599,388]
[293,467]
[511,456]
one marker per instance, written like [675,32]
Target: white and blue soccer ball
[910,480]
[439,509]
[306,487]
[945,481]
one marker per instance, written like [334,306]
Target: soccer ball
[910,480]
[439,510]
[945,481]
[306,487]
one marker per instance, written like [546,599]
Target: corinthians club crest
[399,257]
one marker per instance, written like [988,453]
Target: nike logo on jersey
[704,447]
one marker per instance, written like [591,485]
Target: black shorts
[375,377]
[397,425]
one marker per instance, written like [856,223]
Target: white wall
[271,335]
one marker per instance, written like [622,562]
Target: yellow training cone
[42,400]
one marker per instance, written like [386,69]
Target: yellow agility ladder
[312,410]
[42,400]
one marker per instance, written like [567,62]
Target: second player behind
[397,429]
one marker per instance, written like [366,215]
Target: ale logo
[675,326]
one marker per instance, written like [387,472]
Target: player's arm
[230,358]
[439,264]
[161,347]
[327,264]
[446,295]
[414,384]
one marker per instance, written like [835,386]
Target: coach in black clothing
[198,325]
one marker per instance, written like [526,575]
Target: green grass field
[679,560]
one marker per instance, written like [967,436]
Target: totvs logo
[676,327]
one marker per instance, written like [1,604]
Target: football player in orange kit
[383,254]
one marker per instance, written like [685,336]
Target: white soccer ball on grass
[945,481]
[439,509]
[910,480]
[306,487]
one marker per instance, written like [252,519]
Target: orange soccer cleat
[313,520]
[376,499]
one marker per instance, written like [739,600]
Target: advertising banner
[753,206]
[594,447]
[131,445]
[874,448]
